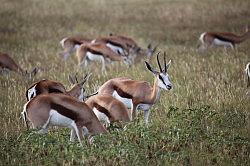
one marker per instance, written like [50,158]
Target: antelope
[48,86]
[6,62]
[139,94]
[70,44]
[247,70]
[226,39]
[98,52]
[57,109]
[108,109]
[125,46]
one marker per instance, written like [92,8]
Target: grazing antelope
[98,52]
[57,109]
[209,39]
[6,62]
[70,44]
[108,109]
[125,46]
[139,94]
[49,86]
[247,70]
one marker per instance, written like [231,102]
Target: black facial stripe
[160,77]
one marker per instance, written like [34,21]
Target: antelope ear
[150,68]
[71,80]
[149,46]
[168,65]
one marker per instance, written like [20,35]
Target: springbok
[108,109]
[247,70]
[70,44]
[48,86]
[209,39]
[57,109]
[6,62]
[139,94]
[125,46]
[98,52]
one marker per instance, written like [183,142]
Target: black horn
[159,62]
[165,70]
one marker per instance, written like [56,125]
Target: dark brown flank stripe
[114,43]
[93,51]
[102,109]
[223,38]
[64,111]
[122,93]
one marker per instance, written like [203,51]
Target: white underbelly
[101,116]
[127,102]
[56,119]
[221,43]
[94,57]
[116,49]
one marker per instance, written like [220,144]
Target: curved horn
[76,78]
[165,65]
[159,62]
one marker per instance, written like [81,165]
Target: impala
[108,109]
[70,44]
[49,86]
[98,52]
[6,62]
[57,109]
[139,94]
[209,39]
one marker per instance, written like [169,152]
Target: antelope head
[163,80]
[77,90]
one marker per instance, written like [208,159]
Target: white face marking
[144,106]
[164,83]
[57,119]
[94,57]
[81,96]
[101,116]
[116,49]
[222,43]
[32,92]
[127,102]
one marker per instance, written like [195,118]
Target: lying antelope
[108,109]
[247,70]
[6,62]
[139,94]
[49,86]
[98,52]
[57,109]
[209,39]
[125,46]
[70,44]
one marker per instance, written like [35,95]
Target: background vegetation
[204,120]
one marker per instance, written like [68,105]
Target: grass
[204,120]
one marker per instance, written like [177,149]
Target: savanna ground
[204,120]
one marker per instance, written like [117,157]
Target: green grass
[204,120]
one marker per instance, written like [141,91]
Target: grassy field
[204,120]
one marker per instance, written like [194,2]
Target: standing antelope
[49,86]
[247,70]
[209,39]
[70,44]
[109,109]
[57,109]
[6,62]
[139,93]
[98,52]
